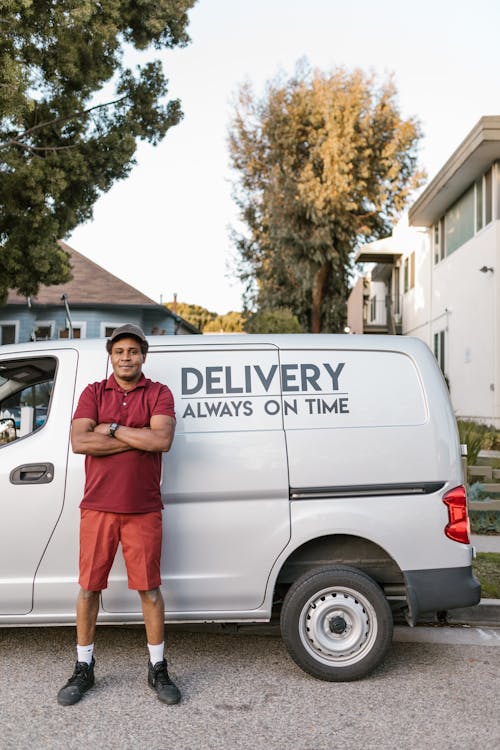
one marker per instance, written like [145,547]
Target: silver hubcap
[338,626]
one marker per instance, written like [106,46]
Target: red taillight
[458,527]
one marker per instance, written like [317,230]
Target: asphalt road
[242,691]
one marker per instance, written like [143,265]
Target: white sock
[85,653]
[156,653]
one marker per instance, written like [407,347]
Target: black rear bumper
[440,589]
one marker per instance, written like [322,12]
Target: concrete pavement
[486,542]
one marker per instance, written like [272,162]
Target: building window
[472,212]
[8,333]
[409,272]
[440,349]
[397,299]
[488,196]
[479,204]
[79,330]
[373,309]
[107,328]
[64,333]
[460,224]
[43,330]
[438,241]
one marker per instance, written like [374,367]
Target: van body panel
[420,542]
[280,441]
[211,559]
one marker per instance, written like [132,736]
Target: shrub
[472,435]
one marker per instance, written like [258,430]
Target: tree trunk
[318,290]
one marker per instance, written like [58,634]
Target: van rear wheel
[336,623]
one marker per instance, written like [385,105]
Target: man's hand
[157,438]
[103,428]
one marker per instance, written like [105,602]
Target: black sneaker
[80,681]
[158,678]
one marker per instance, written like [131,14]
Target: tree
[62,143]
[322,163]
[231,322]
[280,320]
[195,314]
[207,321]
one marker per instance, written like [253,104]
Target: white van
[321,473]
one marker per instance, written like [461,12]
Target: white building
[438,276]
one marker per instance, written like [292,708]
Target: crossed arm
[94,440]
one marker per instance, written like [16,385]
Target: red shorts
[140,535]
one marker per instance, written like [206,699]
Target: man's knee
[153,595]
[88,596]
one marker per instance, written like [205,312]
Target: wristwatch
[113,428]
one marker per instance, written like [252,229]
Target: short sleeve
[87,405]
[164,403]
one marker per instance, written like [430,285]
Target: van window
[26,386]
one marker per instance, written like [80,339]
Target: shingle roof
[90,285]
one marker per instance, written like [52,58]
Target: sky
[166,228]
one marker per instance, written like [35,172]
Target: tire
[336,623]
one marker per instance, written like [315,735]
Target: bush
[472,435]
[278,320]
[484,521]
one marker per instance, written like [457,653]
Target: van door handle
[32,474]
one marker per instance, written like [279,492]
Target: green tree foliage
[231,322]
[195,314]
[280,320]
[62,141]
[323,162]
[207,321]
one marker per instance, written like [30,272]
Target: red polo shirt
[127,482]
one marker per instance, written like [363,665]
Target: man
[122,425]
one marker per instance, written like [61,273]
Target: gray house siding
[97,300]
[92,321]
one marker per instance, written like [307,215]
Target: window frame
[108,324]
[51,324]
[80,324]
[14,323]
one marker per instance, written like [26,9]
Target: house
[92,304]
[438,276]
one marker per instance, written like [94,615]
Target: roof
[468,162]
[90,285]
[378,251]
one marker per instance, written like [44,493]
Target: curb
[487,612]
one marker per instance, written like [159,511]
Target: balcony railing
[383,312]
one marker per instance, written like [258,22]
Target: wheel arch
[341,549]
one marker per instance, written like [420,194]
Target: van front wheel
[336,623]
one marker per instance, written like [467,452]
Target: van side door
[225,481]
[36,397]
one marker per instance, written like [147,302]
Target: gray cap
[129,329]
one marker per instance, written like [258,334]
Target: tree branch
[34,149]
[16,141]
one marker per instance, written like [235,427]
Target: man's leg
[87,609]
[99,537]
[153,611]
[82,679]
